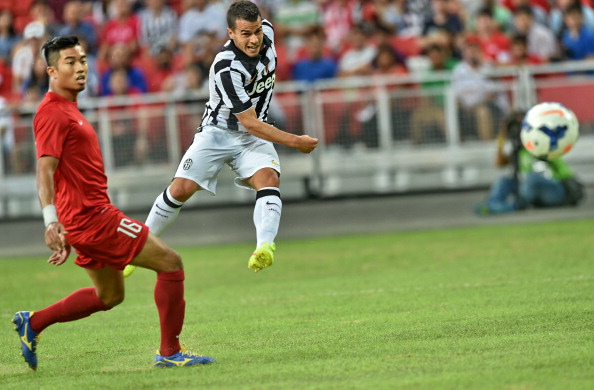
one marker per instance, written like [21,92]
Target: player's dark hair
[51,49]
[242,9]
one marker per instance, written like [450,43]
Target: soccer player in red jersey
[77,212]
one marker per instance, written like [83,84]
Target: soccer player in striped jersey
[234,131]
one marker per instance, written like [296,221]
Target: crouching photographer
[531,182]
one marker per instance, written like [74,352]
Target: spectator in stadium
[418,11]
[469,9]
[128,123]
[541,41]
[234,131]
[556,17]
[532,182]
[446,39]
[577,39]
[338,18]
[293,22]
[358,58]
[96,12]
[482,106]
[501,15]
[119,84]
[539,8]
[121,58]
[442,18]
[161,67]
[184,84]
[37,83]
[77,212]
[350,117]
[8,36]
[25,53]
[519,55]
[121,29]
[390,15]
[190,79]
[158,27]
[57,7]
[41,11]
[495,44]
[284,58]
[202,30]
[74,24]
[387,62]
[201,23]
[317,65]
[428,120]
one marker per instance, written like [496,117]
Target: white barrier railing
[377,135]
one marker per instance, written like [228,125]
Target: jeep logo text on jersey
[262,85]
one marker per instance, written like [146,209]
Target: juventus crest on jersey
[238,82]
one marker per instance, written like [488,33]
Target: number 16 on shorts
[129,228]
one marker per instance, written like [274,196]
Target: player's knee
[173,260]
[266,177]
[272,177]
[112,299]
[183,189]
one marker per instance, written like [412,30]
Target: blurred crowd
[144,46]
[140,46]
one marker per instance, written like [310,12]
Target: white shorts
[213,147]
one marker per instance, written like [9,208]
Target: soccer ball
[549,130]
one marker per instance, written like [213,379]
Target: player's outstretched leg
[262,257]
[28,337]
[181,359]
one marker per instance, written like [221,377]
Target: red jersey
[117,31]
[80,182]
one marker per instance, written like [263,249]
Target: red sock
[80,304]
[169,297]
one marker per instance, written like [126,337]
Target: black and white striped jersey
[238,82]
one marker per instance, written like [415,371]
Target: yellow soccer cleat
[263,257]
[129,270]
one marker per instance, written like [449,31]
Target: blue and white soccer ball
[549,130]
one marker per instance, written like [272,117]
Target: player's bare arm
[303,143]
[55,234]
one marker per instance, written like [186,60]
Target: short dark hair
[242,9]
[485,11]
[574,8]
[519,38]
[51,48]
[524,10]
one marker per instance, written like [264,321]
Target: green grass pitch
[502,307]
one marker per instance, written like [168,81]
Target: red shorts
[110,238]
